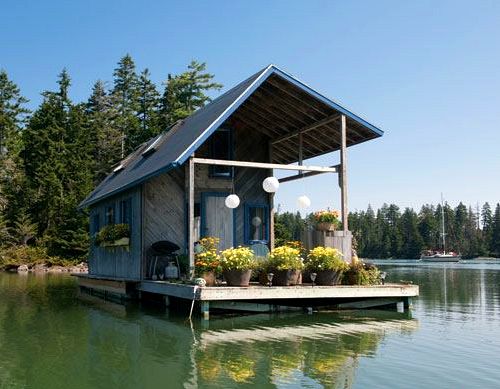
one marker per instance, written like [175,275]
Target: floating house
[175,187]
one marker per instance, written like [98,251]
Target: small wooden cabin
[174,186]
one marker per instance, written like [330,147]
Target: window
[96,224]
[110,215]
[256,223]
[125,211]
[221,148]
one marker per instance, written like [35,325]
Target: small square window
[125,211]
[221,148]
[96,223]
[110,215]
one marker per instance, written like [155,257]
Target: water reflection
[262,350]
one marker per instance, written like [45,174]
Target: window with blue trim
[110,215]
[125,211]
[96,224]
[256,223]
[221,147]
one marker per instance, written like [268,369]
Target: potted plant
[237,264]
[360,273]
[286,264]
[113,235]
[328,265]
[207,260]
[327,220]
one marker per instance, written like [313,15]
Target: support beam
[343,173]
[304,175]
[271,202]
[190,174]
[263,165]
[310,127]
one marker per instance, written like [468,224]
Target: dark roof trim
[271,69]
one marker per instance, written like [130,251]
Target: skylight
[118,168]
[152,147]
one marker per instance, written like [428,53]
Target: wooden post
[271,203]
[301,154]
[191,216]
[205,309]
[343,174]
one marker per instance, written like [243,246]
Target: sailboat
[440,256]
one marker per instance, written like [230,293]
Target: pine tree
[149,100]
[12,119]
[412,240]
[12,114]
[107,138]
[185,93]
[24,229]
[487,224]
[125,96]
[57,159]
[495,235]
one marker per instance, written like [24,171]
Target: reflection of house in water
[265,350]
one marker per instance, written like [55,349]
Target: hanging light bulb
[303,202]
[270,184]
[232,201]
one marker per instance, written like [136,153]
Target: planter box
[286,277]
[237,277]
[117,243]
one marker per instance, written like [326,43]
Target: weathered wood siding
[248,146]
[118,262]
[164,208]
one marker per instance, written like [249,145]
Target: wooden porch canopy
[295,117]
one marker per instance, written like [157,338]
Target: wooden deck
[259,292]
[258,298]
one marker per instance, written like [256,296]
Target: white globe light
[232,201]
[303,202]
[256,221]
[271,184]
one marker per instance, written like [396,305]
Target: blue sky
[426,72]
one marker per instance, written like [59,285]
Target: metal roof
[270,101]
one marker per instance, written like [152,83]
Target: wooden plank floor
[259,292]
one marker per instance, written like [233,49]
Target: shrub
[360,273]
[325,258]
[285,258]
[240,258]
[112,232]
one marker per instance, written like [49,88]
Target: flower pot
[325,226]
[286,277]
[237,277]
[209,278]
[328,277]
[116,243]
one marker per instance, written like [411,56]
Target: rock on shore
[44,268]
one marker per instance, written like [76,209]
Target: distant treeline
[52,157]
[392,233]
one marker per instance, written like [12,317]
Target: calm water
[51,338]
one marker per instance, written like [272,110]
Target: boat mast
[442,225]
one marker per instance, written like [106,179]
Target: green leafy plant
[360,273]
[325,258]
[239,258]
[285,258]
[111,233]
[327,216]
